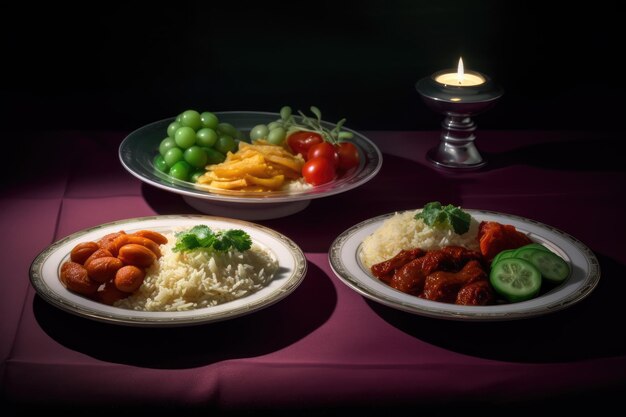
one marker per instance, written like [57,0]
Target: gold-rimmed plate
[44,273]
[345,260]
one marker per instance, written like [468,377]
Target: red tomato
[323,150]
[348,155]
[300,142]
[318,171]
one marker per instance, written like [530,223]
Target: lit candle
[459,95]
[460,78]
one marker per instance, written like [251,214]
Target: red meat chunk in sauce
[479,293]
[445,285]
[385,270]
[495,237]
[410,278]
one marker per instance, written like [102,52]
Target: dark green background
[119,66]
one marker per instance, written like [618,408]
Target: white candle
[460,78]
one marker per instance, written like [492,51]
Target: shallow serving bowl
[138,149]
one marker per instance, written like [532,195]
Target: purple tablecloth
[324,347]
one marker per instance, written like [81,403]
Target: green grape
[225,144]
[277,136]
[209,120]
[240,136]
[172,156]
[229,130]
[206,137]
[197,174]
[180,170]
[214,156]
[179,119]
[285,112]
[191,118]
[185,137]
[196,157]
[172,128]
[166,144]
[259,132]
[160,164]
[274,125]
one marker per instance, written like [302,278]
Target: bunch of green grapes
[195,140]
[277,131]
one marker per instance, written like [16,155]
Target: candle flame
[460,71]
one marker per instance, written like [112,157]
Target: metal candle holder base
[458,104]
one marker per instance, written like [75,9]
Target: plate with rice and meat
[499,267]
[165,271]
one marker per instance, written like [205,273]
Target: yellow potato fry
[265,148]
[229,185]
[204,178]
[254,167]
[291,163]
[209,176]
[277,169]
[273,183]
[238,156]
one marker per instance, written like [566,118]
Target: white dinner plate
[44,273]
[138,149]
[344,257]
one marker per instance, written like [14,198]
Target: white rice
[199,278]
[296,185]
[402,231]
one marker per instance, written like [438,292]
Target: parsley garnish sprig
[201,236]
[445,217]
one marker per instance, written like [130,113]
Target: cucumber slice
[525,253]
[550,265]
[508,253]
[515,279]
[534,245]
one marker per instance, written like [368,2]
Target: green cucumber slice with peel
[551,266]
[515,279]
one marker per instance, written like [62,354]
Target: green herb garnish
[202,236]
[447,217]
[312,124]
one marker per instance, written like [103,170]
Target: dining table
[325,349]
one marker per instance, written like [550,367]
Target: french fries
[254,167]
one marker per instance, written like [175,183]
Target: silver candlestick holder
[458,103]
